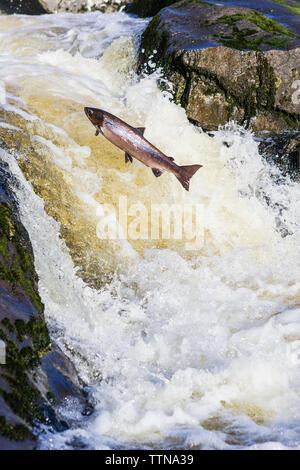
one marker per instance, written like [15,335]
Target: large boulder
[34,373]
[226,63]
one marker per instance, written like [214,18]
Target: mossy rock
[225,63]
[36,374]
[23,327]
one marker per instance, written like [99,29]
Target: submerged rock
[282,149]
[34,373]
[226,63]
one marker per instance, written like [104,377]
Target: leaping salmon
[134,144]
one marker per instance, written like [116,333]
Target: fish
[132,141]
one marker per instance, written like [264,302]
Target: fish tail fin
[186,172]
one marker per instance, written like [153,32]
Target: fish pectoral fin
[141,130]
[156,172]
[128,158]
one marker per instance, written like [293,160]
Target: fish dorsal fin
[156,172]
[141,130]
[171,158]
[128,158]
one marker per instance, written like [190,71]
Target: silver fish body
[133,143]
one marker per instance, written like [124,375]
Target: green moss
[259,20]
[232,19]
[21,329]
[241,41]
[7,323]
[19,360]
[279,43]
[38,331]
[295,6]
[5,215]
[285,3]
[17,266]
[267,24]
[14,432]
[25,260]
[180,86]
[17,269]
[24,401]
[4,251]
[4,274]
[3,336]
[23,398]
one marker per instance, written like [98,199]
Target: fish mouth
[94,115]
[88,111]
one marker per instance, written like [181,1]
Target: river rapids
[185,344]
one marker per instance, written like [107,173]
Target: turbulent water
[182,343]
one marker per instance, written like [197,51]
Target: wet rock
[148,8]
[227,63]
[22,7]
[282,149]
[34,373]
[88,410]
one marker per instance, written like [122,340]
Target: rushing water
[180,348]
